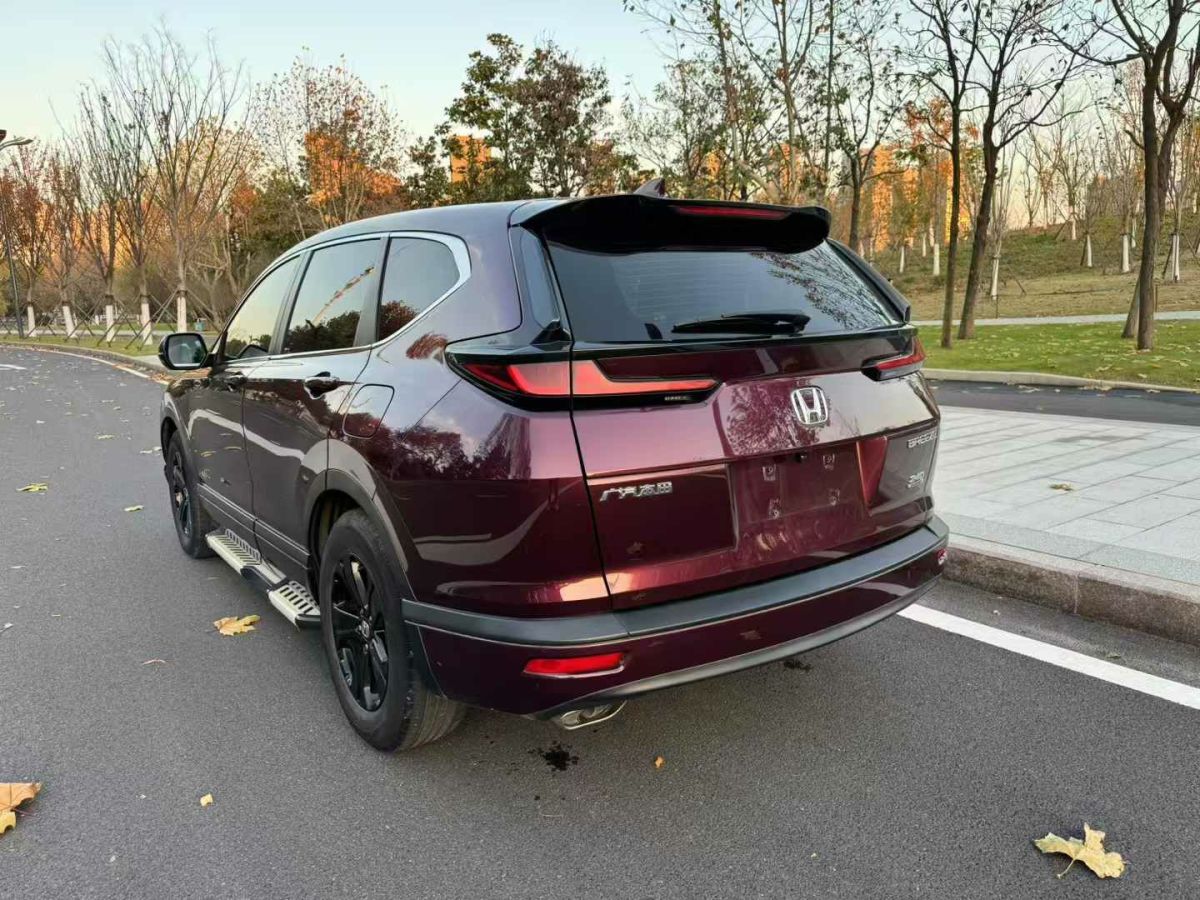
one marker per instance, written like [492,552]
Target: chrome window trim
[462,262]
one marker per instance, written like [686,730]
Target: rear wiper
[749,323]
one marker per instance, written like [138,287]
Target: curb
[1158,606]
[120,360]
[1046,379]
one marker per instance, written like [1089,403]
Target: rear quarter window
[640,295]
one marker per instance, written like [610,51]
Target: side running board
[290,598]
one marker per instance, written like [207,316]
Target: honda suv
[544,456]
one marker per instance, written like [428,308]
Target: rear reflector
[573,666]
[553,379]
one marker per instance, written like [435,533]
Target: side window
[249,332]
[337,285]
[417,272]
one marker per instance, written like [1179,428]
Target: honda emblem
[811,406]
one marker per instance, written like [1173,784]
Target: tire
[371,661]
[192,523]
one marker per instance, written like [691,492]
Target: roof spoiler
[637,221]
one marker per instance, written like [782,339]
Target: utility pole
[12,269]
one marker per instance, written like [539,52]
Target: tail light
[582,378]
[576,666]
[897,366]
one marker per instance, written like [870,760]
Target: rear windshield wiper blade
[749,323]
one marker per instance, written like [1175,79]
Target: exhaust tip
[575,719]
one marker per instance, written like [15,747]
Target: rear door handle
[322,383]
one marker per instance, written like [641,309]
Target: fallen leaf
[12,796]
[1062,486]
[152,661]
[1090,851]
[659,762]
[231,625]
[134,508]
[36,488]
[206,800]
[104,437]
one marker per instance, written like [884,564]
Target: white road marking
[11,366]
[1143,682]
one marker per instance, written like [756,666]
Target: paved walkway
[1123,495]
[1070,320]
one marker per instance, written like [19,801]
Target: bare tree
[947,43]
[678,130]
[1031,180]
[193,121]
[1163,37]
[1001,210]
[99,145]
[1019,76]
[1096,197]
[1180,188]
[870,97]
[1071,159]
[28,216]
[63,208]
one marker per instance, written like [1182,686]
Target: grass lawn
[1041,275]
[1086,351]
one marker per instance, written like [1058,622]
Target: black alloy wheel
[359,632]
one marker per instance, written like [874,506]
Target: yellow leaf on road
[206,800]
[12,796]
[104,437]
[659,762]
[36,488]
[1090,851]
[133,509]
[231,625]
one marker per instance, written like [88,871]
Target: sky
[417,48]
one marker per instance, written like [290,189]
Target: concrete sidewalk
[1094,319]
[1103,501]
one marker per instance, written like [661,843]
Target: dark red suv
[544,456]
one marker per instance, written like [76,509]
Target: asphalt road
[1161,407]
[902,762]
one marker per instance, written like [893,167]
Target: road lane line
[1143,682]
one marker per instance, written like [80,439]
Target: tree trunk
[1176,275]
[937,259]
[924,244]
[1140,321]
[952,246]
[1125,253]
[903,246]
[1087,250]
[966,325]
[1074,234]
[995,293]
[855,213]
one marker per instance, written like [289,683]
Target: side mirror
[183,350]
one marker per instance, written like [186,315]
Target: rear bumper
[479,659]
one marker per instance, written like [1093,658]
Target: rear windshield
[616,297]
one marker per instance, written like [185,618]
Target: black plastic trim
[621,625]
[746,660]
